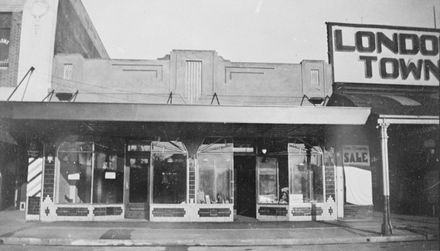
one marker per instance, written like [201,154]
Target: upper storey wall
[190,77]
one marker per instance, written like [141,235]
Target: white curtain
[358,186]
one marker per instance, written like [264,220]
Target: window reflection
[108,178]
[215,171]
[306,175]
[75,172]
[267,171]
[169,172]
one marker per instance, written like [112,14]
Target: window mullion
[93,173]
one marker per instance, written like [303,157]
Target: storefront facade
[95,170]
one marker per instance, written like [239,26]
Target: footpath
[15,231]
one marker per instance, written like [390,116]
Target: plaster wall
[152,81]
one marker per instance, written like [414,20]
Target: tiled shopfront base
[191,212]
[78,212]
[312,211]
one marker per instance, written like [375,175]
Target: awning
[394,109]
[184,113]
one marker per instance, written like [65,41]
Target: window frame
[57,175]
[300,150]
[181,146]
[204,149]
[277,180]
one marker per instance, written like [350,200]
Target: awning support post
[386,224]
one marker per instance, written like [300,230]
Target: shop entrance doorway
[136,184]
[245,192]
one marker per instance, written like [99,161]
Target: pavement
[14,230]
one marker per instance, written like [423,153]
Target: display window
[74,172]
[306,174]
[108,178]
[169,167]
[267,175]
[86,175]
[272,173]
[215,173]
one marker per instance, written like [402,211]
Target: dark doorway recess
[244,168]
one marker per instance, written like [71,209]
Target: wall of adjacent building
[75,32]
[8,74]
[39,31]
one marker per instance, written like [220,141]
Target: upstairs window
[67,71]
[5,34]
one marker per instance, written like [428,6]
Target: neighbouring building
[396,72]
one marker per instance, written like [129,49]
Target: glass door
[136,181]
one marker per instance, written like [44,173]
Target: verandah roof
[304,115]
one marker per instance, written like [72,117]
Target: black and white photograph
[244,125]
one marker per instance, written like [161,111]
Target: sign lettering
[356,155]
[384,55]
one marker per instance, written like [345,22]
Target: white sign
[296,198]
[358,155]
[73,176]
[110,175]
[375,54]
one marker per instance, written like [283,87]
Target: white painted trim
[408,119]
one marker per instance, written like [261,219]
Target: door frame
[126,192]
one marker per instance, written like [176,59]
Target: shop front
[102,167]
[395,71]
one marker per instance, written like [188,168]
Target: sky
[283,31]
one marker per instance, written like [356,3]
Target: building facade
[190,136]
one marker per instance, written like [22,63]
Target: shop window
[267,178]
[306,174]
[215,173]
[87,174]
[108,178]
[74,172]
[169,164]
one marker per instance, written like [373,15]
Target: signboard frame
[331,56]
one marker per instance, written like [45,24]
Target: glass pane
[215,171]
[317,177]
[306,174]
[138,192]
[268,180]
[4,47]
[108,178]
[171,146]
[75,173]
[217,147]
[169,177]
[75,147]
[140,146]
[299,187]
